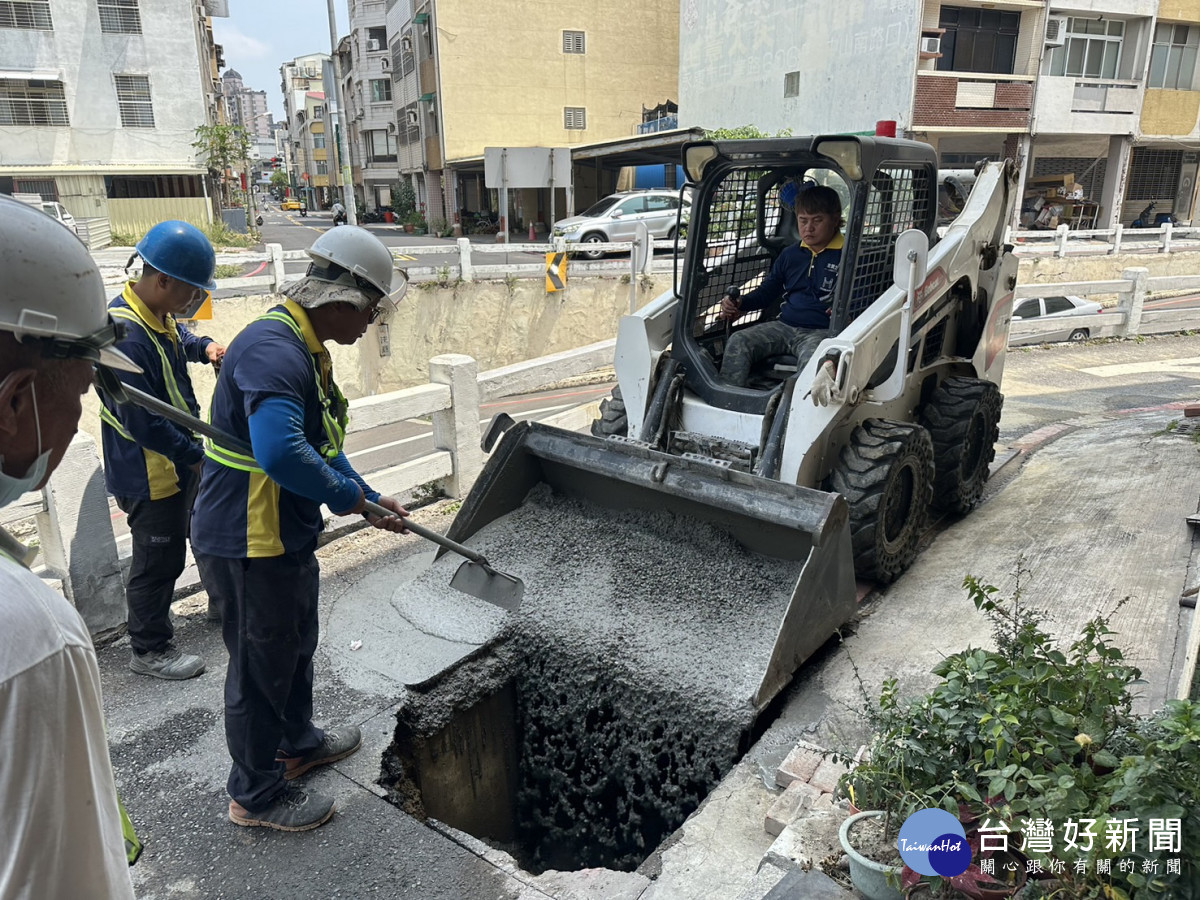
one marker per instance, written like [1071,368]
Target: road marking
[1187,366]
[401,256]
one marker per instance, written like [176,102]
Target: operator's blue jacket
[144,462]
[805,280]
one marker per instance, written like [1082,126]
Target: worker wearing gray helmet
[257,518]
[62,822]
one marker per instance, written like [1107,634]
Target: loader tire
[886,475]
[612,416]
[963,419]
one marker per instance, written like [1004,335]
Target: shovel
[475,576]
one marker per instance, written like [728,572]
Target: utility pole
[337,101]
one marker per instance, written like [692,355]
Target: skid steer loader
[920,328]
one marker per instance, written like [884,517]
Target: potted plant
[1031,731]
[413,220]
[875,865]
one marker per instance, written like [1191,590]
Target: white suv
[615,218]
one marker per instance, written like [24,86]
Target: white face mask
[11,487]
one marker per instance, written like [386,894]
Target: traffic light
[274,162]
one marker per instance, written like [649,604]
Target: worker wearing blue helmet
[151,465]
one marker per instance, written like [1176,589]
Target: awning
[657,149]
[420,18]
[31,74]
[49,171]
[427,98]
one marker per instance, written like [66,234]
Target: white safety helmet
[51,290]
[350,265]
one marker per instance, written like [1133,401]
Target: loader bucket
[802,533]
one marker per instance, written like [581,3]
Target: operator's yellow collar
[129,295]
[837,243]
[300,314]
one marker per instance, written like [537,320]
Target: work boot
[170,664]
[293,810]
[336,745]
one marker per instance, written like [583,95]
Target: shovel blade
[489,585]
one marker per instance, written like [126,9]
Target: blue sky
[260,35]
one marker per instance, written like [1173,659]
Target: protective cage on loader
[842,489]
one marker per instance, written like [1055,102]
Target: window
[34,14]
[318,113]
[376,39]
[574,117]
[1058,304]
[1028,309]
[409,126]
[322,167]
[381,146]
[1173,57]
[318,142]
[407,60]
[574,42]
[657,203]
[791,84]
[133,97]
[978,40]
[32,103]
[381,90]
[632,206]
[120,16]
[1092,50]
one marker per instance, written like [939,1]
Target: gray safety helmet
[52,290]
[350,265]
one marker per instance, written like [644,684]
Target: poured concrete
[631,664]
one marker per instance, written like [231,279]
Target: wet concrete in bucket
[603,711]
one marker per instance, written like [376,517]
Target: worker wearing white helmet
[257,519]
[61,817]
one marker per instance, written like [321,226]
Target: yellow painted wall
[137,216]
[1170,112]
[1179,10]
[516,97]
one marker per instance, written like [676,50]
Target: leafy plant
[223,147]
[404,199]
[1031,732]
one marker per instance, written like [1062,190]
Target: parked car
[615,218]
[56,210]
[291,203]
[1063,319]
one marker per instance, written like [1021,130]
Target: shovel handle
[429,535]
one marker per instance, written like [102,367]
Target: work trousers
[159,529]
[269,621]
[764,340]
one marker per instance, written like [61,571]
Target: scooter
[1144,221]
[258,221]
[340,219]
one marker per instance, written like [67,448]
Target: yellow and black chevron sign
[556,272]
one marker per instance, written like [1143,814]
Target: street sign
[556,272]
[204,312]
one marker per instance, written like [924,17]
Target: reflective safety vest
[173,395]
[334,412]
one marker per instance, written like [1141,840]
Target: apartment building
[303,86]
[99,103]
[518,73]
[247,107]
[1095,99]
[370,129]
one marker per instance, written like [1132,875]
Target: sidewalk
[1096,506]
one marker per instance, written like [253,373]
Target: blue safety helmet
[180,250]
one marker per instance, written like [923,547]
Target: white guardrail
[1167,238]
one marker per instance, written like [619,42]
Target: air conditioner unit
[385,64]
[391,127]
[931,45]
[1056,31]
[373,46]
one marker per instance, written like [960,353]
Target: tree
[279,181]
[223,147]
[743,133]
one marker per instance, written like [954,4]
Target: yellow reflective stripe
[113,422]
[231,460]
[335,430]
[176,397]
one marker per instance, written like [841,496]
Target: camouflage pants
[754,344]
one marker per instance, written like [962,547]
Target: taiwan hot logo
[932,842]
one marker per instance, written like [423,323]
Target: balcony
[953,100]
[664,123]
[1069,105]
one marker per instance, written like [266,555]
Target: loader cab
[739,226]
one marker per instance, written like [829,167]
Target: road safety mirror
[641,247]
